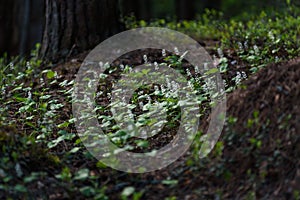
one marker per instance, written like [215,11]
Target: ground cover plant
[256,156]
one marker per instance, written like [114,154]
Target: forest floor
[257,156]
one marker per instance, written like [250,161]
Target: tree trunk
[25,20]
[21,23]
[77,25]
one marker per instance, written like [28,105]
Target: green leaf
[33,176]
[63,125]
[101,165]
[45,97]
[51,74]
[74,150]
[82,174]
[66,136]
[56,106]
[170,182]
[142,143]
[87,191]
[20,188]
[128,191]
[212,71]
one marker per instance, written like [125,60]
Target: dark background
[22,21]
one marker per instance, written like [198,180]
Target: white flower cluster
[209,85]
[256,50]
[188,72]
[239,77]
[241,48]
[220,52]
[172,89]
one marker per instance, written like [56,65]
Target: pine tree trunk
[77,25]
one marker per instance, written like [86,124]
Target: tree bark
[21,23]
[77,25]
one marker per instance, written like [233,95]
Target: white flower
[188,72]
[209,85]
[163,52]
[109,95]
[175,86]
[122,67]
[191,85]
[131,115]
[145,59]
[197,70]
[241,48]
[42,81]
[156,66]
[162,89]
[216,61]
[271,35]
[141,92]
[246,44]
[141,104]
[224,83]
[29,95]
[3,91]
[244,75]
[238,78]
[11,66]
[149,99]
[169,86]
[256,50]
[28,65]
[176,51]
[220,52]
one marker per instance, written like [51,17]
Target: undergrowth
[37,128]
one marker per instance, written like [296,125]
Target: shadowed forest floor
[256,156]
